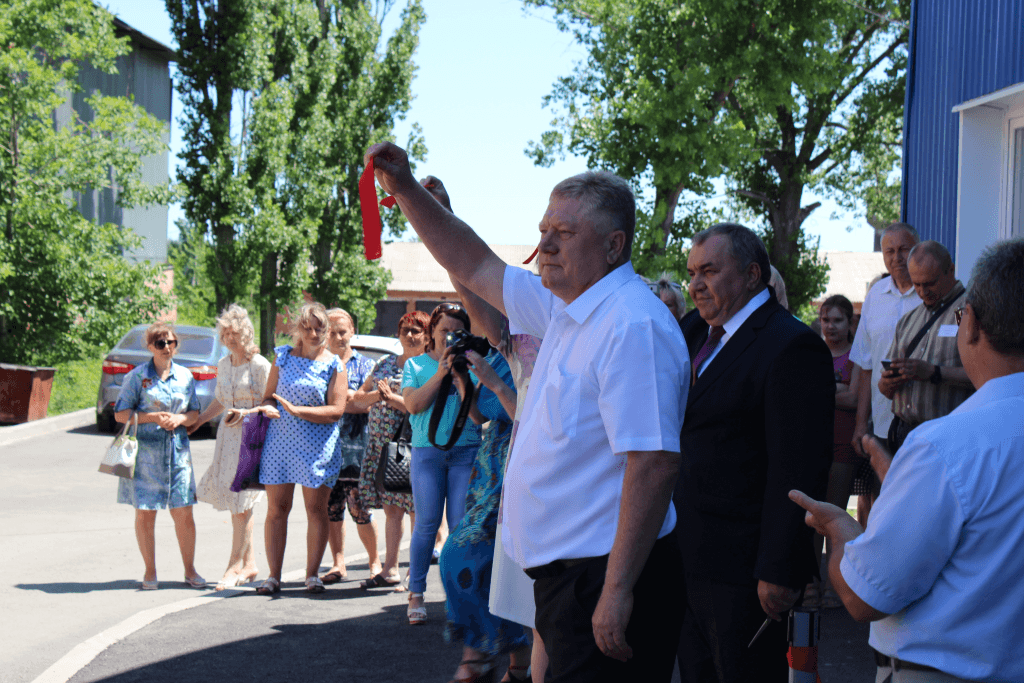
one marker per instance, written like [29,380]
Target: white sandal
[314,584]
[417,615]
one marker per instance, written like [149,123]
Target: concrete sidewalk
[11,434]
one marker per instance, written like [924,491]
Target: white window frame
[1014,122]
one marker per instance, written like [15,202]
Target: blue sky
[483,69]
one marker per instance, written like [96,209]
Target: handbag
[396,456]
[254,435]
[119,459]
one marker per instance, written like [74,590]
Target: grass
[75,385]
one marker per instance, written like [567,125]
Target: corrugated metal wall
[960,49]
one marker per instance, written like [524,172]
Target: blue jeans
[436,476]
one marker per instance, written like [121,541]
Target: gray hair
[744,246]
[934,249]
[665,284]
[779,285]
[606,196]
[236,319]
[342,313]
[905,227]
[995,293]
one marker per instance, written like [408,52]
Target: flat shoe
[333,577]
[269,586]
[196,581]
[379,581]
[314,584]
[150,585]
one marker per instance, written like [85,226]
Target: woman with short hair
[241,380]
[310,385]
[163,394]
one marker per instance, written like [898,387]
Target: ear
[753,276]
[615,244]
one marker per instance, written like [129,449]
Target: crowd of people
[629,486]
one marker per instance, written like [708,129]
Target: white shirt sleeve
[860,352]
[528,303]
[643,381]
[915,526]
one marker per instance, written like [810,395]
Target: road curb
[15,433]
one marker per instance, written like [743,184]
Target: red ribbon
[370,212]
[803,659]
[535,252]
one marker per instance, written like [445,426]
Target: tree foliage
[65,286]
[310,87]
[775,95]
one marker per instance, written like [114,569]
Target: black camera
[461,341]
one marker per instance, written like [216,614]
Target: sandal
[379,581]
[334,577]
[196,581]
[512,678]
[314,584]
[483,670]
[417,615]
[269,586]
[150,585]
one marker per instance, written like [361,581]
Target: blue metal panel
[959,50]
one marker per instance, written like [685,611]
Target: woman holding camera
[437,476]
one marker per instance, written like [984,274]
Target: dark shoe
[333,577]
[379,581]
[511,677]
[483,671]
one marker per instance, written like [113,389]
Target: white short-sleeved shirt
[882,309]
[943,552]
[611,376]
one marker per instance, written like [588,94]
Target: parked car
[199,350]
[374,347]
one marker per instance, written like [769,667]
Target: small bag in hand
[120,457]
[395,457]
[254,434]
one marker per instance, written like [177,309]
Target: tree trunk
[268,309]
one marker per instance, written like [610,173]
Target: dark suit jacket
[758,423]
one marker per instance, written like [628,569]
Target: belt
[557,568]
[898,664]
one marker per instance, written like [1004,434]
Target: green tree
[775,95]
[66,288]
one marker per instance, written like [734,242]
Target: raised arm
[450,241]
[487,320]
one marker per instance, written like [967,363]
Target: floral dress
[298,451]
[163,467]
[468,554]
[384,421]
[237,387]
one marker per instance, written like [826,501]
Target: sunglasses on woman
[444,308]
[163,343]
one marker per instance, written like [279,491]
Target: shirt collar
[952,294]
[740,317]
[585,304]
[890,286]
[151,369]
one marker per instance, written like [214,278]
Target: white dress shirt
[882,309]
[943,552]
[733,324]
[611,377]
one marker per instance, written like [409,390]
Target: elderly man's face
[718,286]
[896,247]
[931,282]
[574,252]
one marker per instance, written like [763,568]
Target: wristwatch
[936,377]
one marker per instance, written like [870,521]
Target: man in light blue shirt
[938,568]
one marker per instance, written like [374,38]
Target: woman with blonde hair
[241,380]
[305,397]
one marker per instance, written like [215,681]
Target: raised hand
[390,167]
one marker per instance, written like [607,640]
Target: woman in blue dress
[309,384]
[163,394]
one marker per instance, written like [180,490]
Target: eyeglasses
[958,314]
[449,307]
[164,343]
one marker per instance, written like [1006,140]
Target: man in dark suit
[758,421]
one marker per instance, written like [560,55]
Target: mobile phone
[886,364]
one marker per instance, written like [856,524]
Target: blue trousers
[437,476]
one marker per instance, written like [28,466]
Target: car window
[373,354]
[190,344]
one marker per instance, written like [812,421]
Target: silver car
[199,349]
[374,347]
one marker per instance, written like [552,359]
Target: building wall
[959,50]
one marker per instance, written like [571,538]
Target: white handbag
[120,457]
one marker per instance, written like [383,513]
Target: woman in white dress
[241,380]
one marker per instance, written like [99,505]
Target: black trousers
[567,596]
[721,620]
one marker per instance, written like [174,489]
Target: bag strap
[924,330]
[135,425]
[439,405]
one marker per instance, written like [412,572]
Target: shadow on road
[69,587]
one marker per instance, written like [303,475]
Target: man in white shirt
[590,479]
[938,568]
[889,300]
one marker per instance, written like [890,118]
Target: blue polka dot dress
[298,451]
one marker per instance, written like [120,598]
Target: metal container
[24,392]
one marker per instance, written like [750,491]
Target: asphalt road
[72,609]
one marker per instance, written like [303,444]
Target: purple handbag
[254,433]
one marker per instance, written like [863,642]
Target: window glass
[1017,183]
[189,344]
